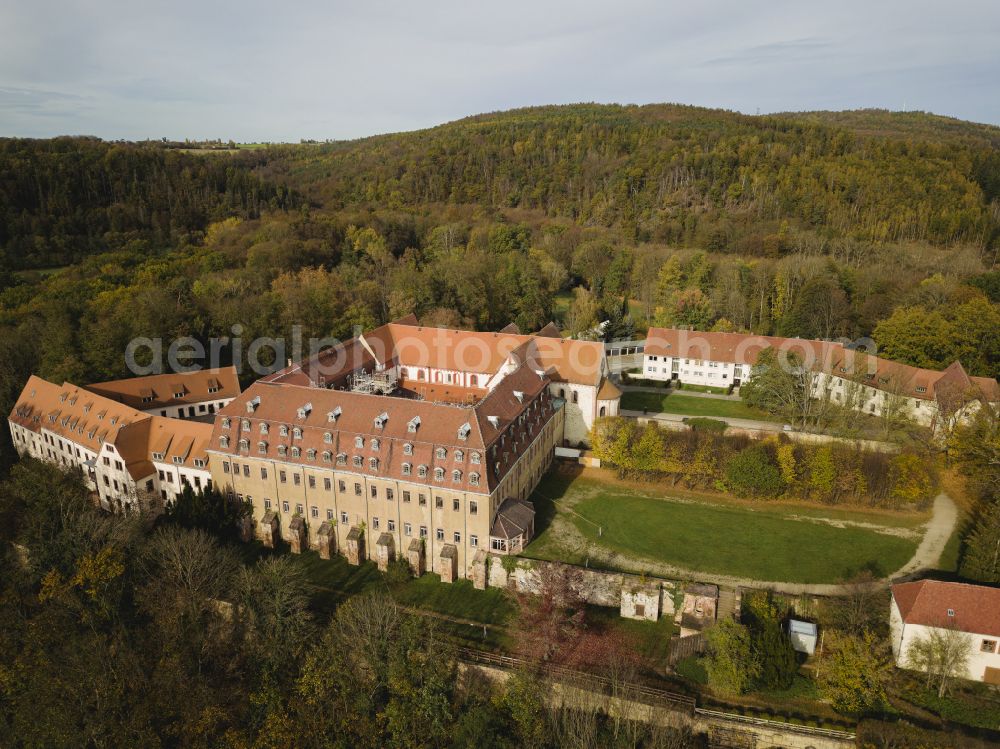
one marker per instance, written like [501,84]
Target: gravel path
[936,534]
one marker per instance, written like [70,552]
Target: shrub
[752,472]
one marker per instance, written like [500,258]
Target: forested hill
[684,175]
[66,198]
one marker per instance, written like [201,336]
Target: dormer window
[474,479]
[439,474]
[456,476]
[381,419]
[282,450]
[441,453]
[263,427]
[157,456]
[178,393]
[327,456]
[358,460]
[921,390]
[199,463]
[283,430]
[464,431]
[311,453]
[375,444]
[373,463]
[178,460]
[359,442]
[328,438]
[333,415]
[252,404]
[246,425]
[244,444]
[305,410]
[407,469]
[262,447]
[296,452]
[413,424]
[225,422]
[297,433]
[422,471]
[341,459]
[459,456]
[223,440]
[407,449]
[951,612]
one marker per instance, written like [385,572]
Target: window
[327,456]
[389,495]
[375,444]
[246,470]
[296,479]
[329,514]
[283,430]
[474,479]
[311,453]
[422,471]
[374,492]
[458,537]
[225,467]
[439,474]
[327,484]
[359,442]
[474,458]
[951,612]
[373,463]
[406,496]
[407,449]
[422,500]
[297,433]
[315,511]
[343,518]
[341,459]
[407,469]
[284,506]
[459,456]
[263,473]
[407,529]
[296,452]
[474,541]
[423,531]
[357,489]
[374,524]
[246,425]
[358,460]
[438,503]
[441,453]
[328,438]
[456,476]
[312,482]
[456,504]
[267,504]
[225,422]
[439,534]
[391,526]
[988,646]
[341,486]
[473,507]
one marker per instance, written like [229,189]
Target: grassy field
[762,542]
[688,405]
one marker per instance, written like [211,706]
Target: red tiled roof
[976,607]
[163,389]
[498,428]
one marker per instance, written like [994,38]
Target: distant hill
[681,174]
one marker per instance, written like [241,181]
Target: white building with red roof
[847,377]
[920,608]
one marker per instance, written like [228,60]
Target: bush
[398,572]
[706,424]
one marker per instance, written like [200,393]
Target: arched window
[357,461]
[296,452]
[562,393]
[282,449]
[223,441]
[422,471]
[327,456]
[328,438]
[474,458]
[359,442]
[474,479]
[311,453]
[262,447]
[604,411]
[439,474]
[456,476]
[459,456]
[297,433]
[375,444]
[576,396]
[441,453]
[407,449]
[406,469]
[373,463]
[244,444]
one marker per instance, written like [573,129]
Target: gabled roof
[171,389]
[975,608]
[514,517]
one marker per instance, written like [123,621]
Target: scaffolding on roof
[378,383]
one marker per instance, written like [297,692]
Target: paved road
[765,426]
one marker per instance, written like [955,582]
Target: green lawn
[688,405]
[460,599]
[761,542]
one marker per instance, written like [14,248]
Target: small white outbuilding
[803,636]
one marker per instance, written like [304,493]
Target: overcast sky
[281,71]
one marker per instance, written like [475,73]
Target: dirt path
[936,533]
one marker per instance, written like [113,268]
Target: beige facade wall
[406,510]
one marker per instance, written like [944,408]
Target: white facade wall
[693,371]
[189,410]
[904,635]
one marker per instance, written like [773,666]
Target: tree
[981,558]
[582,314]
[943,653]
[752,472]
[773,648]
[733,665]
[917,336]
[975,448]
[853,673]
[859,610]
